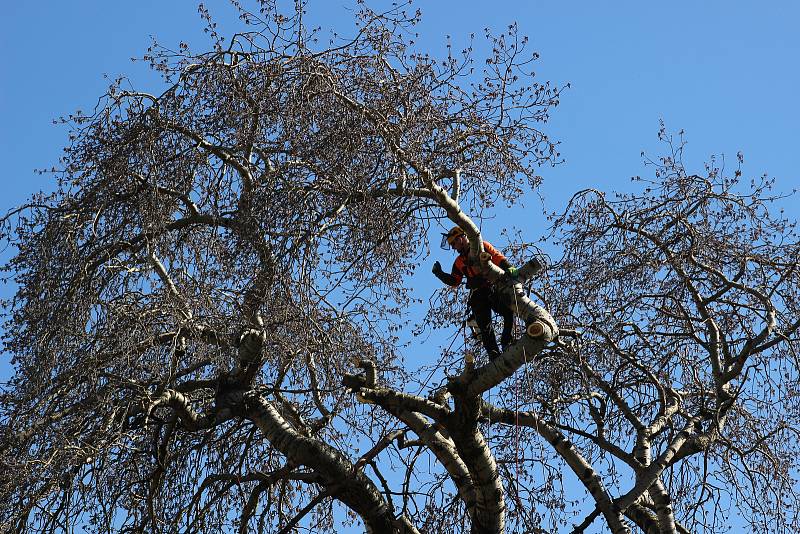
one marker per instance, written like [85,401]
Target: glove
[437,268]
[513,273]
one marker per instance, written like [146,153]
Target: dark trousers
[483,301]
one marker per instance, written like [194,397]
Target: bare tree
[205,333]
[686,374]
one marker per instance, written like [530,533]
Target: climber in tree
[482,299]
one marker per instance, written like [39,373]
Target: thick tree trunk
[490,505]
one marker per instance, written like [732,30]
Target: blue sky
[726,72]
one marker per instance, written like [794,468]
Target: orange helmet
[450,237]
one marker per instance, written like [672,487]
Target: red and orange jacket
[463,266]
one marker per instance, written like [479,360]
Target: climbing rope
[516,416]
[526,387]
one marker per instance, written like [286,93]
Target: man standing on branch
[482,299]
